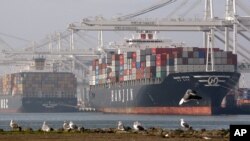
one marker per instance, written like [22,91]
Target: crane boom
[146,10]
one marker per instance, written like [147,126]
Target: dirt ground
[94,137]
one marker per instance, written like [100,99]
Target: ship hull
[21,104]
[146,97]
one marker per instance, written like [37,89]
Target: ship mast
[209,37]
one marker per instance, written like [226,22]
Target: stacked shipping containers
[39,84]
[157,63]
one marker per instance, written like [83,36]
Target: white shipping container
[218,68]
[100,61]
[91,82]
[184,54]
[125,77]
[202,68]
[178,61]
[170,68]
[125,66]
[185,49]
[217,54]
[217,61]
[196,61]
[190,48]
[223,61]
[149,64]
[201,61]
[133,70]
[190,68]
[160,68]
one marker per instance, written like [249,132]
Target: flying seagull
[137,126]
[14,125]
[189,95]
[184,124]
[45,127]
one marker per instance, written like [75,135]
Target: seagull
[45,127]
[207,138]
[120,126]
[137,126]
[66,126]
[184,124]
[189,95]
[14,125]
[72,125]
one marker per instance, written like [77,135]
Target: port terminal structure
[77,60]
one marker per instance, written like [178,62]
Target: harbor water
[101,120]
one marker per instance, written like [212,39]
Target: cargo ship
[148,75]
[38,91]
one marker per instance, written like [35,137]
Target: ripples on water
[101,120]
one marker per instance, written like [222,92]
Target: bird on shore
[184,124]
[14,125]
[121,127]
[66,126]
[72,126]
[137,126]
[45,127]
[189,95]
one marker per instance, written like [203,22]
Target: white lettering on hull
[122,95]
[4,104]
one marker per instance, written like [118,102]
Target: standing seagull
[66,126]
[120,126]
[45,127]
[72,126]
[189,95]
[14,125]
[184,124]
[137,126]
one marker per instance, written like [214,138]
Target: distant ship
[150,76]
[38,91]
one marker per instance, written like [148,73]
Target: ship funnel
[39,63]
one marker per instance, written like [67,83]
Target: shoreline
[112,134]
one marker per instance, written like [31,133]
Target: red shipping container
[161,63]
[143,64]
[234,59]
[177,54]
[121,78]
[133,64]
[121,62]
[170,56]
[153,50]
[161,57]
[134,55]
[190,54]
[229,61]
[115,57]
[121,57]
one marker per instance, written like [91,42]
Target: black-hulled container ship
[38,91]
[152,79]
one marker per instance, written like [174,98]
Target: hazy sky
[35,19]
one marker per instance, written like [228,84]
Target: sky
[35,19]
